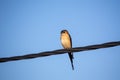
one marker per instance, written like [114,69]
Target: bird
[66,42]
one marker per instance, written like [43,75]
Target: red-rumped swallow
[67,44]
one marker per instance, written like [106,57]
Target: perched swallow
[67,44]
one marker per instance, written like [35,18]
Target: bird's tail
[71,59]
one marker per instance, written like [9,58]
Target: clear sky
[31,26]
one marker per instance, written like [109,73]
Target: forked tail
[71,59]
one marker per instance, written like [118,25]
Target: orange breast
[65,40]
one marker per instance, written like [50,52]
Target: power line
[60,51]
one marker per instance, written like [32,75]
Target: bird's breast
[65,40]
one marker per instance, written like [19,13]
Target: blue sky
[31,26]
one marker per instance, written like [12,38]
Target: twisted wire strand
[61,51]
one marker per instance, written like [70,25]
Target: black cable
[60,51]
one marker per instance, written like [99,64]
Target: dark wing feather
[70,54]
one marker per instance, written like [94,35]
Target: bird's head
[64,32]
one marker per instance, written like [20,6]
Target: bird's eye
[63,31]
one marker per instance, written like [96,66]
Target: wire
[60,51]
